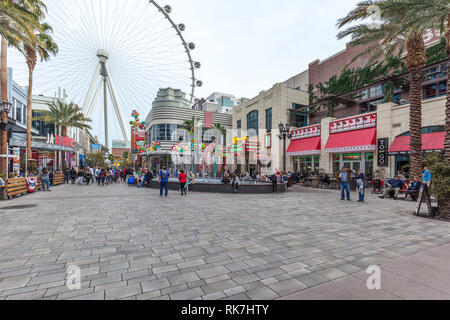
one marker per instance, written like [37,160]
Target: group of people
[185,180]
[101,176]
[393,186]
[397,184]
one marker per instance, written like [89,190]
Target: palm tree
[189,125]
[16,25]
[41,44]
[387,37]
[64,116]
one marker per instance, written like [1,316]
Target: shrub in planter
[440,170]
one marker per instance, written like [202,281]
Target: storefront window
[269,120]
[430,91]
[316,163]
[336,163]
[369,164]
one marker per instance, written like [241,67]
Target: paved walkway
[131,244]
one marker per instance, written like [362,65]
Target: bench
[58,179]
[18,186]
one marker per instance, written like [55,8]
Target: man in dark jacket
[274,179]
[395,185]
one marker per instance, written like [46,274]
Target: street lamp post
[5,109]
[285,133]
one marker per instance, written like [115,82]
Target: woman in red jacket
[182,178]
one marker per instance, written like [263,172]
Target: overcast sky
[246,46]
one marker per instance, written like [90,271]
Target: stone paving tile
[262,293]
[93,296]
[287,287]
[123,292]
[187,294]
[257,249]
[155,285]
[218,286]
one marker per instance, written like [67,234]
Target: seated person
[394,185]
[413,190]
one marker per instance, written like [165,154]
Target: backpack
[164,175]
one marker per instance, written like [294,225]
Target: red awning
[430,142]
[304,147]
[352,141]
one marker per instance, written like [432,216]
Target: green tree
[17,25]
[387,36]
[44,46]
[64,116]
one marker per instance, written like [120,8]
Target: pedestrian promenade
[131,244]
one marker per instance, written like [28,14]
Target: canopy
[430,142]
[351,141]
[304,147]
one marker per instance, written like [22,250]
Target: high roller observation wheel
[143,47]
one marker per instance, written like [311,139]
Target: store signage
[383,156]
[355,123]
[61,141]
[269,141]
[308,132]
[95,147]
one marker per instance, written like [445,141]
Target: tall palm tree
[64,116]
[44,46]
[432,15]
[387,36]
[16,25]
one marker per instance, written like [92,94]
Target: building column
[326,161]
[385,130]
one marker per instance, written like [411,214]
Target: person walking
[274,179]
[45,179]
[164,181]
[73,175]
[361,185]
[102,177]
[344,177]
[66,175]
[80,177]
[182,178]
[427,177]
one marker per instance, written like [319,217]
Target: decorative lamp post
[285,133]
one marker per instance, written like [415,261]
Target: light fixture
[6,106]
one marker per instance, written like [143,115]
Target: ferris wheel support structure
[106,81]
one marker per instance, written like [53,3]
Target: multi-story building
[368,129]
[217,102]
[256,122]
[164,125]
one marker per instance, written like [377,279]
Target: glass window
[442,88]
[336,163]
[397,97]
[239,128]
[430,74]
[316,163]
[301,119]
[252,124]
[444,71]
[369,164]
[365,94]
[19,111]
[430,91]
[24,114]
[269,120]
[376,91]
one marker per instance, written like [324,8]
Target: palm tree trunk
[29,113]
[4,93]
[415,62]
[415,122]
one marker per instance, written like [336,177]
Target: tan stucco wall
[280,98]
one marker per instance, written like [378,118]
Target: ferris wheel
[114,55]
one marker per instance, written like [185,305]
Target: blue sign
[95,147]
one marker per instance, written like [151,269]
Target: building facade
[256,123]
[164,126]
